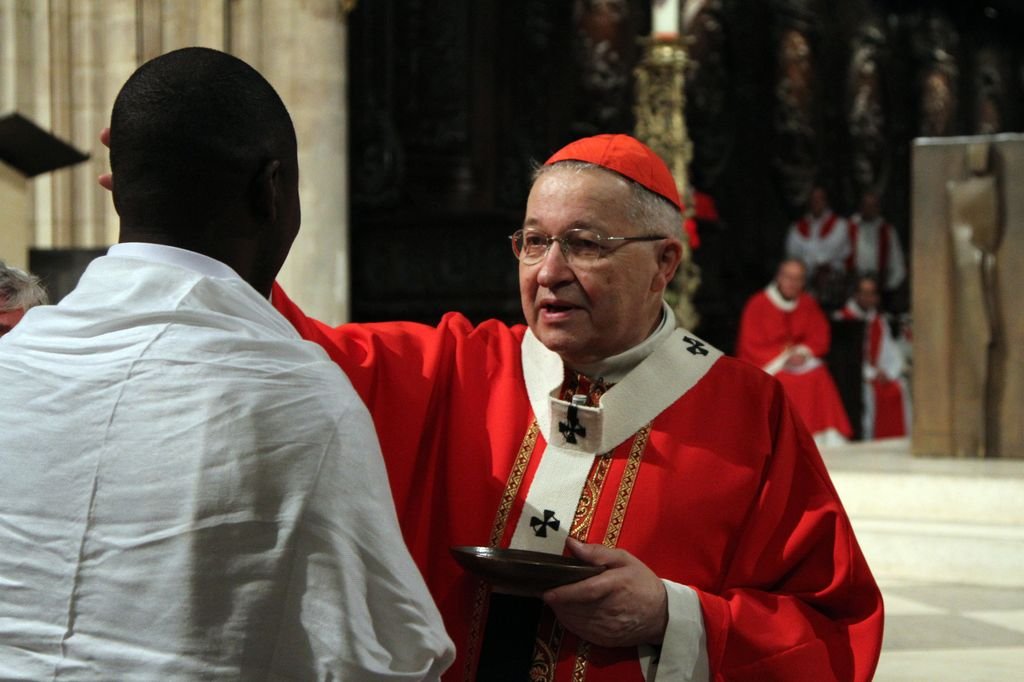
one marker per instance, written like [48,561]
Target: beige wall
[63,61]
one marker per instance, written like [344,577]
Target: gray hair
[652,213]
[19,290]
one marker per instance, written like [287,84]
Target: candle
[665,19]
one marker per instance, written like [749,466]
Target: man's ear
[670,255]
[266,191]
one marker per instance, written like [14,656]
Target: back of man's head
[190,132]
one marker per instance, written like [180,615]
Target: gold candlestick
[659,107]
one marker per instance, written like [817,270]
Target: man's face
[869,206]
[9,318]
[586,313]
[818,202]
[867,295]
[790,280]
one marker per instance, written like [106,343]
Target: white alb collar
[172,255]
[775,296]
[616,367]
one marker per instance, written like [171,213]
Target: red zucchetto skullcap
[629,157]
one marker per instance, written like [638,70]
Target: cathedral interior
[421,121]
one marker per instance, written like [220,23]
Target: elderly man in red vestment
[886,398]
[784,332]
[603,430]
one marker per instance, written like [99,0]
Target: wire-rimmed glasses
[578,245]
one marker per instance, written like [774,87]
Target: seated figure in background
[19,291]
[784,332]
[886,398]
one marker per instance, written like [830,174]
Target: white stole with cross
[575,434]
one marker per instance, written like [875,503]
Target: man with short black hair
[190,490]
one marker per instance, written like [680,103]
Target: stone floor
[945,539]
[942,632]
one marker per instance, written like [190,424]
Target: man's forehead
[591,199]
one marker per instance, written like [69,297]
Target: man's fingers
[592,589]
[597,555]
[105,137]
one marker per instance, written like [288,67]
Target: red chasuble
[719,488]
[768,335]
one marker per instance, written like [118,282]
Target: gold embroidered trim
[588,499]
[546,653]
[515,480]
[579,671]
[542,669]
[611,535]
[475,631]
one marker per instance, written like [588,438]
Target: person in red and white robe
[820,239]
[605,431]
[874,245]
[886,398]
[784,332]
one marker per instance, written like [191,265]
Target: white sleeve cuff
[684,652]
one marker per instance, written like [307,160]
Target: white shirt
[868,250]
[822,244]
[191,491]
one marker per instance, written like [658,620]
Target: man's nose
[554,267]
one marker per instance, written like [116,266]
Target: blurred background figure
[784,332]
[875,247]
[886,398]
[820,240]
[19,291]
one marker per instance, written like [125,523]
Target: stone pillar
[83,70]
[63,61]
[37,45]
[120,26]
[61,219]
[300,48]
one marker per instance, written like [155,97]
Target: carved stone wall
[451,102]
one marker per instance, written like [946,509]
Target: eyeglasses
[578,245]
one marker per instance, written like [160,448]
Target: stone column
[62,218]
[83,78]
[38,47]
[119,24]
[300,48]
[66,59]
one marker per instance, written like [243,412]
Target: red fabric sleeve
[418,383]
[797,601]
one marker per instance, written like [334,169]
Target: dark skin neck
[240,254]
[248,235]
